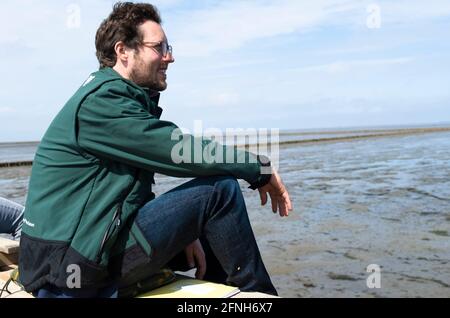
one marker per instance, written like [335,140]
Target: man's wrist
[266,172]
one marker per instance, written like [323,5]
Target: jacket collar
[154,98]
[152,95]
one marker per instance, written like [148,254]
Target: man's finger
[282,207]
[190,258]
[201,270]
[201,265]
[286,209]
[288,201]
[263,195]
[274,200]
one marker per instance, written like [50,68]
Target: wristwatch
[266,172]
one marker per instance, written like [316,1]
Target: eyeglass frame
[168,48]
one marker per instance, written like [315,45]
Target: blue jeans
[11,215]
[213,210]
[50,291]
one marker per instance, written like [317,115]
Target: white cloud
[166,4]
[346,66]
[412,11]
[22,20]
[239,63]
[231,24]
[221,25]
[4,110]
[363,48]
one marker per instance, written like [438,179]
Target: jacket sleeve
[115,125]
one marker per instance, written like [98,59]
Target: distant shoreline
[380,133]
[369,134]
[444,126]
[15,164]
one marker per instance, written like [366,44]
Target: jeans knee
[228,185]
[227,182]
[226,198]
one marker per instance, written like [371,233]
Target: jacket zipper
[115,224]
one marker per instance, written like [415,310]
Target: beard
[144,76]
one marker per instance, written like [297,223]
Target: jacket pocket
[111,231]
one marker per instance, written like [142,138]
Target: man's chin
[161,87]
[156,87]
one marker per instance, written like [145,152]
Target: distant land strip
[386,133]
[16,164]
[367,131]
[391,133]
[378,134]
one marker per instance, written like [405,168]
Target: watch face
[264,161]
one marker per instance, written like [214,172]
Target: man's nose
[169,58]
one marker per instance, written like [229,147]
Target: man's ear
[122,52]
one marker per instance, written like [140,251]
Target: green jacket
[93,170]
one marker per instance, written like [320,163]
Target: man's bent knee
[227,183]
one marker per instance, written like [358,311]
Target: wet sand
[382,201]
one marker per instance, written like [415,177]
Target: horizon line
[287,131]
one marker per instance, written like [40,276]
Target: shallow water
[382,201]
[11,152]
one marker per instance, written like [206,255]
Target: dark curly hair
[122,25]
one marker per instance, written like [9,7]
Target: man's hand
[278,195]
[196,258]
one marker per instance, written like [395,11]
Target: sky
[286,64]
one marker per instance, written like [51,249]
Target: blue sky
[287,64]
